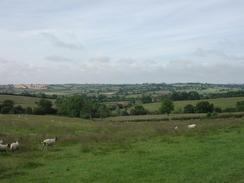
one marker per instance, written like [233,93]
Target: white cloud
[121,41]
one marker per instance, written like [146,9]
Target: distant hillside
[31,86]
[119,90]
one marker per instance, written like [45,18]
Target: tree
[167,106]
[44,106]
[81,106]
[189,109]
[193,95]
[204,107]
[7,106]
[70,106]
[8,103]
[103,111]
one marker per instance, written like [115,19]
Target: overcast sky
[121,41]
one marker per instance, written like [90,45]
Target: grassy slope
[123,152]
[179,105]
[20,100]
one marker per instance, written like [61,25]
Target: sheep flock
[14,146]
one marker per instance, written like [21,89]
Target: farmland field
[179,105]
[20,100]
[89,151]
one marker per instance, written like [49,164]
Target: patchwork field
[89,151]
[179,105]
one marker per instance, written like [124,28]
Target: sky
[122,41]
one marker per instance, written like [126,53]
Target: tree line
[87,107]
[42,107]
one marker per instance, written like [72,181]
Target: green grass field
[179,105]
[20,100]
[165,117]
[121,152]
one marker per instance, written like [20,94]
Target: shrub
[124,113]
[189,109]
[138,110]
[230,109]
[5,109]
[217,110]
[37,111]
[204,107]
[8,103]
[17,110]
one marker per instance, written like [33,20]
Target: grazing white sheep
[192,126]
[4,147]
[176,127]
[14,146]
[49,142]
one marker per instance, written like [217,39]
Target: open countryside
[125,91]
[95,143]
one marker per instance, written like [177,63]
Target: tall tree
[167,106]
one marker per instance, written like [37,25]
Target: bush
[217,110]
[8,103]
[138,110]
[37,111]
[124,113]
[230,109]
[7,106]
[204,107]
[211,115]
[17,110]
[44,107]
[189,109]
[5,109]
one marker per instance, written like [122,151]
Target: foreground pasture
[123,151]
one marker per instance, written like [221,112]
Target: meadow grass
[165,117]
[179,105]
[92,151]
